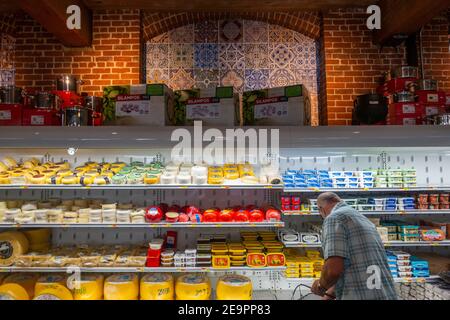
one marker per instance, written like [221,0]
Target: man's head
[326,203]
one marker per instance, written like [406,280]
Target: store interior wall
[349,63]
[248,55]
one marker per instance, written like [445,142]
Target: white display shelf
[136,269]
[139,187]
[374,213]
[367,190]
[150,225]
[386,244]
[310,281]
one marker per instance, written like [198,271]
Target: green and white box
[214,107]
[144,105]
[283,106]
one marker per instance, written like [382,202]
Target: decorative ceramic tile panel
[231,31]
[181,56]
[256,79]
[206,32]
[240,53]
[206,55]
[256,32]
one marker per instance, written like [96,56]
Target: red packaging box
[447,98]
[400,84]
[40,117]
[286,207]
[427,96]
[296,201]
[286,200]
[11,114]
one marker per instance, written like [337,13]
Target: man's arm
[331,272]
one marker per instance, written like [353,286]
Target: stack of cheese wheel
[54,291]
[26,281]
[121,287]
[193,287]
[234,287]
[12,245]
[90,287]
[157,286]
[39,239]
[49,281]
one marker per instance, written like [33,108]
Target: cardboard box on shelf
[213,106]
[437,263]
[283,106]
[11,114]
[138,105]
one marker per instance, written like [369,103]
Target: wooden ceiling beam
[406,17]
[52,15]
[226,5]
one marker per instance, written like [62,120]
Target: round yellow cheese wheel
[40,247]
[121,287]
[157,286]
[25,280]
[12,244]
[90,287]
[193,287]
[13,291]
[54,291]
[38,236]
[234,287]
[64,173]
[70,179]
[47,281]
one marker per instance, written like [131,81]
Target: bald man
[356,266]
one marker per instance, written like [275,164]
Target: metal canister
[405,96]
[95,108]
[68,83]
[428,84]
[45,100]
[76,116]
[11,95]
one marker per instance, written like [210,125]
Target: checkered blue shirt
[350,235]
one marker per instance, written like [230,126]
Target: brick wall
[113,58]
[7,23]
[436,52]
[353,64]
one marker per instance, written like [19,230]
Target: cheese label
[6,250]
[409,108]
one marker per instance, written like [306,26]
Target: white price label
[5,115]
[431,111]
[203,108]
[409,108]
[271,108]
[432,97]
[132,105]
[37,120]
[409,122]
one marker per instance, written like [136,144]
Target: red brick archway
[307,23]
[7,23]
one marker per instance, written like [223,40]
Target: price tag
[203,108]
[225,187]
[24,187]
[5,115]
[268,187]
[366,189]
[405,189]
[183,187]
[276,107]
[18,225]
[139,269]
[114,226]
[167,225]
[218,225]
[402,212]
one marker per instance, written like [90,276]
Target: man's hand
[330,294]
[317,289]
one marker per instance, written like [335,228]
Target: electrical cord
[302,297]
